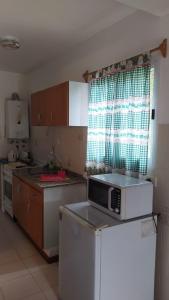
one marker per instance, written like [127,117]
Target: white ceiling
[47,28]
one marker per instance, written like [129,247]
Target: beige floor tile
[14,231]
[20,288]
[8,255]
[5,244]
[24,274]
[46,277]
[5,219]
[52,294]
[38,296]
[16,235]
[25,248]
[4,236]
[1,295]
[12,270]
[33,263]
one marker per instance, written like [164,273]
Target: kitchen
[70,143]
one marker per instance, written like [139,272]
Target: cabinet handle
[51,116]
[39,116]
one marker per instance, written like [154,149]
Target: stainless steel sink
[33,175]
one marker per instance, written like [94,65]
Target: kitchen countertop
[32,177]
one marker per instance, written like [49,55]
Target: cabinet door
[58,105]
[35,216]
[38,108]
[78,103]
[20,201]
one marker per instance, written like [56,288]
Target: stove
[6,184]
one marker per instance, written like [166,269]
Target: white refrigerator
[102,258]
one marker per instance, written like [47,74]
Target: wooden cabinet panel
[28,210]
[38,108]
[20,201]
[35,215]
[58,105]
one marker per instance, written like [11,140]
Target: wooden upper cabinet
[57,109]
[63,105]
[38,108]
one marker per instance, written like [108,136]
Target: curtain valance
[125,65]
[128,64]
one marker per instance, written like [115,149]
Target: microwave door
[98,193]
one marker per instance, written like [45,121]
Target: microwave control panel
[116,200]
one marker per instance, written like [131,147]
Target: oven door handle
[109,198]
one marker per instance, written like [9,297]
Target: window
[119,120]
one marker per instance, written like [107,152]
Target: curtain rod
[162,48]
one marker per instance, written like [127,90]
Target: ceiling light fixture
[9,42]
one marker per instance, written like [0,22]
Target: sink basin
[42,178]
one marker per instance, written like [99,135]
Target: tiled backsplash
[69,142]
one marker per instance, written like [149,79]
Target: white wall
[9,83]
[133,35]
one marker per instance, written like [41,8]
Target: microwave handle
[109,198]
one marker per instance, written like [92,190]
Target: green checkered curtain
[119,118]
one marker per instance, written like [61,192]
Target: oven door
[7,193]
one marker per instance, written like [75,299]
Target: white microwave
[121,196]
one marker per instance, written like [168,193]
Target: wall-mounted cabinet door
[57,110]
[38,108]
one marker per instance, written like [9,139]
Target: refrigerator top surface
[119,180]
[92,215]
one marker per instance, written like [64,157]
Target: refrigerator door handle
[109,198]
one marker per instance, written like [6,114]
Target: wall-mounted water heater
[16,119]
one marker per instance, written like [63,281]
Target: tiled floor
[24,274]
